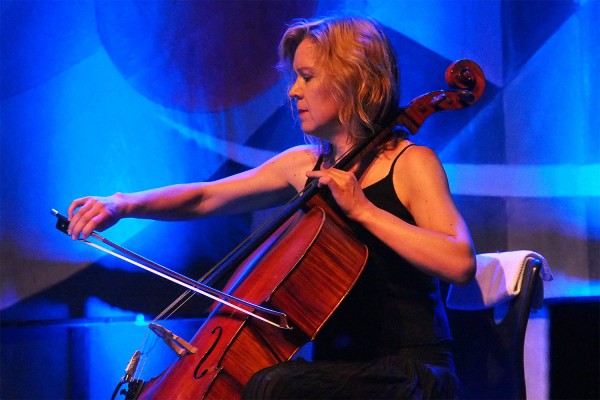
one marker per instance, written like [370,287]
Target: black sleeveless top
[393,305]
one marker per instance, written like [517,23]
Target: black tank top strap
[315,168]
[319,162]
[398,156]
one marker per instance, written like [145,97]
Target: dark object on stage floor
[574,347]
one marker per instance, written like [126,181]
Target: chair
[488,319]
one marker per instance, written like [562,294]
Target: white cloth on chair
[497,280]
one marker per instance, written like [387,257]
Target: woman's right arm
[267,185]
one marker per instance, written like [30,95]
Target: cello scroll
[465,76]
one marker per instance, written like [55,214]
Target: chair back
[489,343]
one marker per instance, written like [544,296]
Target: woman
[390,337]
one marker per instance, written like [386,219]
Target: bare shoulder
[419,173]
[294,163]
[418,160]
[300,154]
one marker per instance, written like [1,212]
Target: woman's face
[317,109]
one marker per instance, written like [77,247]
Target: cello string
[211,276]
[174,306]
[145,350]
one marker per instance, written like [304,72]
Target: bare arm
[267,185]
[440,244]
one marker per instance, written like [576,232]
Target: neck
[339,145]
[334,154]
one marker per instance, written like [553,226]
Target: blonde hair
[359,65]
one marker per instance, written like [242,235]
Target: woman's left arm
[440,244]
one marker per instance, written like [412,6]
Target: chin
[318,133]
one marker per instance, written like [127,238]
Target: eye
[307,78]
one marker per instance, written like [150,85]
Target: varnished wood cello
[288,278]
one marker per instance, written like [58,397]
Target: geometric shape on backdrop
[41,39]
[197,56]
[482,141]
[527,26]
[277,133]
[550,92]
[487,219]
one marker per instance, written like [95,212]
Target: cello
[286,280]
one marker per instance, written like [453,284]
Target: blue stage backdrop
[106,96]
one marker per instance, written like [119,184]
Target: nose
[295,92]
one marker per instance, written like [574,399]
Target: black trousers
[413,374]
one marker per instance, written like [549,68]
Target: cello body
[290,271]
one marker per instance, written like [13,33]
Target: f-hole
[219,332]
